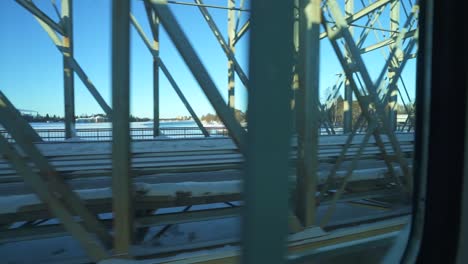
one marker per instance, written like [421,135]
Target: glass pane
[367,77]
[351,99]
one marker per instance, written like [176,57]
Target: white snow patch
[194,188]
[12,203]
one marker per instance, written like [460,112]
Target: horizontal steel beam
[386,42]
[203,5]
[361,13]
[313,242]
[189,216]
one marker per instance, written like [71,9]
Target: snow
[190,256]
[12,203]
[195,189]
[359,175]
[49,250]
[212,124]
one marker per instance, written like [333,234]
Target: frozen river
[149,124]
[55,131]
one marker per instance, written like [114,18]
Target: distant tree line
[239,115]
[54,118]
[132,117]
[335,113]
[139,119]
[41,118]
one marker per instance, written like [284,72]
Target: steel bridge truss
[314,20]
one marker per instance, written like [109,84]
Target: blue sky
[31,66]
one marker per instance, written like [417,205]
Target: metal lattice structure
[374,137]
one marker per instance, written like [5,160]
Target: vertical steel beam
[121,170]
[168,75]
[154,25]
[348,92]
[55,202]
[308,111]
[68,74]
[231,34]
[76,68]
[393,89]
[295,103]
[226,48]
[265,217]
[200,73]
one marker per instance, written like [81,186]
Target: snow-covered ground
[54,131]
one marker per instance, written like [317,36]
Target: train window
[221,131]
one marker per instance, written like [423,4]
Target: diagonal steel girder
[52,198]
[407,34]
[393,59]
[75,66]
[377,137]
[393,56]
[241,32]
[362,13]
[342,32]
[237,21]
[398,39]
[217,33]
[31,7]
[48,176]
[373,17]
[169,77]
[200,73]
[386,42]
[353,18]
[326,218]
[11,117]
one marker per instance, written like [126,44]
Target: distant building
[401,118]
[92,119]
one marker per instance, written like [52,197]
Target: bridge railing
[145,133]
[105,134]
